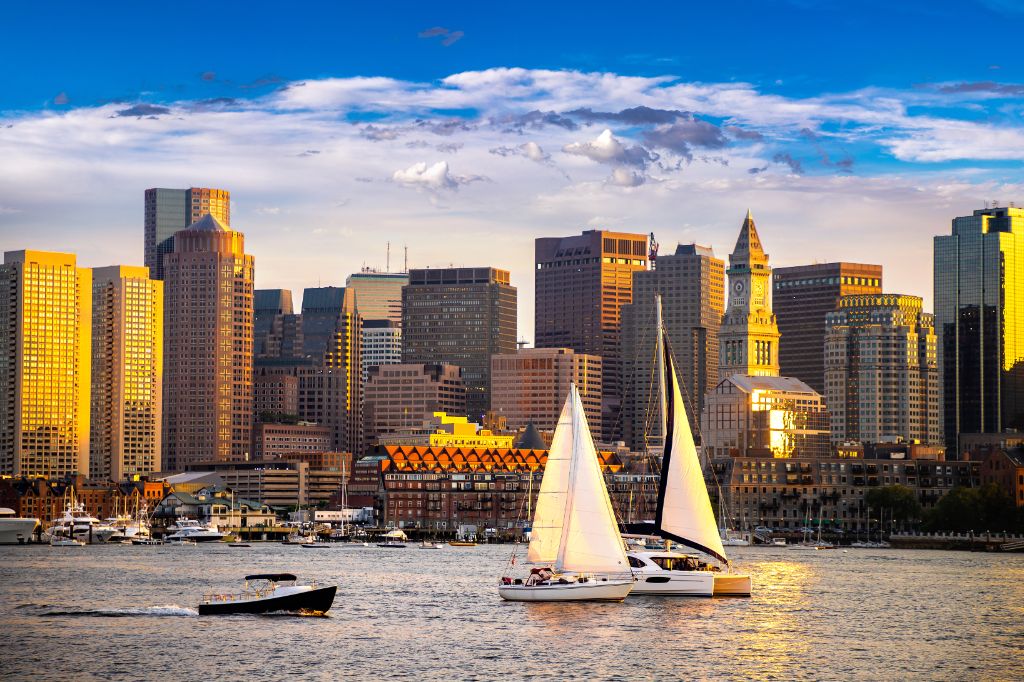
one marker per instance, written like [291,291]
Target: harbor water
[129,613]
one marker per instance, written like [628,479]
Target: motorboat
[78,524]
[239,544]
[317,545]
[271,593]
[61,541]
[462,543]
[194,531]
[128,527]
[15,530]
[574,540]
[394,538]
[671,574]
[146,541]
[430,545]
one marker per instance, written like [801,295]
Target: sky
[462,131]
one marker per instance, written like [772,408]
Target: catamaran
[684,514]
[575,540]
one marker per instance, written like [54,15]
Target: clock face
[738,287]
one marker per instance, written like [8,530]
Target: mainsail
[684,509]
[574,527]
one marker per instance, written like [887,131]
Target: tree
[984,509]
[898,500]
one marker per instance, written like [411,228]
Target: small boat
[239,544]
[779,542]
[271,593]
[193,531]
[317,545]
[181,541]
[430,545]
[394,538]
[147,541]
[58,541]
[462,543]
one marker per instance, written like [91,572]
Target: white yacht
[672,574]
[78,524]
[15,530]
[130,527]
[190,530]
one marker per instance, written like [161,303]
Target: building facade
[382,344]
[270,307]
[127,373]
[691,284]
[979,322]
[460,316]
[45,364]
[404,396]
[581,283]
[275,395]
[275,441]
[881,370]
[802,296]
[169,210]
[208,311]
[379,294]
[531,385]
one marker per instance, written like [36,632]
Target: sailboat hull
[676,584]
[595,590]
[732,585]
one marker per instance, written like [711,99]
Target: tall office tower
[45,349]
[979,321]
[582,282]
[270,307]
[170,210]
[379,294]
[127,373]
[748,340]
[531,384]
[801,297]
[881,371]
[322,308]
[342,375]
[208,311]
[692,287]
[460,316]
[382,344]
[404,396]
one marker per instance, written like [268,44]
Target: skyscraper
[581,283]
[881,374]
[270,307]
[127,372]
[382,344]
[979,318]
[460,316]
[379,294]
[802,296]
[208,318]
[170,210]
[691,283]
[404,396]
[530,385]
[748,339]
[45,349]
[322,310]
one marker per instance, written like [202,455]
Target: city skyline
[442,126]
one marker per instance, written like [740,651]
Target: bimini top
[276,577]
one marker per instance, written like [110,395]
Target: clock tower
[748,340]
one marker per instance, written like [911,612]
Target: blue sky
[854,131]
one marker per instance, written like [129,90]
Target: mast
[659,361]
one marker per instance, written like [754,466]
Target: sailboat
[684,514]
[575,539]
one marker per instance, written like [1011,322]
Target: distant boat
[15,530]
[462,543]
[58,541]
[394,538]
[575,536]
[271,593]
[431,545]
[192,531]
[239,544]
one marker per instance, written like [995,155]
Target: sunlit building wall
[382,344]
[531,385]
[127,373]
[45,349]
[169,210]
[379,294]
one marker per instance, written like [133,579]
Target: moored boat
[15,530]
[271,593]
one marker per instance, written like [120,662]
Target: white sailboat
[684,513]
[575,537]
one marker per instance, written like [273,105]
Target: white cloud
[436,176]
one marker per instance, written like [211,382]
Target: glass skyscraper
[979,316]
[170,210]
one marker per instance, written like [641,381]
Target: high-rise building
[270,307]
[127,373]
[979,321]
[692,287]
[208,318]
[379,294]
[802,296]
[531,384]
[45,365]
[342,388]
[581,284]
[748,339]
[170,210]
[322,309]
[881,373]
[382,344]
[460,316]
[405,396]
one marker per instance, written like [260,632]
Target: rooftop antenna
[653,252]
[387,266]
[406,264]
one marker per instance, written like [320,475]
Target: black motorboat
[271,593]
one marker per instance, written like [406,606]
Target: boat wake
[158,611]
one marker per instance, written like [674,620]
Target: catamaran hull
[597,590]
[732,585]
[695,584]
[317,601]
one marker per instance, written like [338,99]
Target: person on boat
[538,576]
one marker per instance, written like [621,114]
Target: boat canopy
[276,577]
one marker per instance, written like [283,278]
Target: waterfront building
[581,283]
[127,373]
[46,498]
[382,344]
[460,316]
[748,339]
[270,307]
[881,373]
[530,386]
[691,283]
[379,294]
[446,430]
[273,441]
[275,483]
[1005,468]
[45,364]
[979,322]
[404,396]
[208,346]
[802,296]
[217,505]
[169,210]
